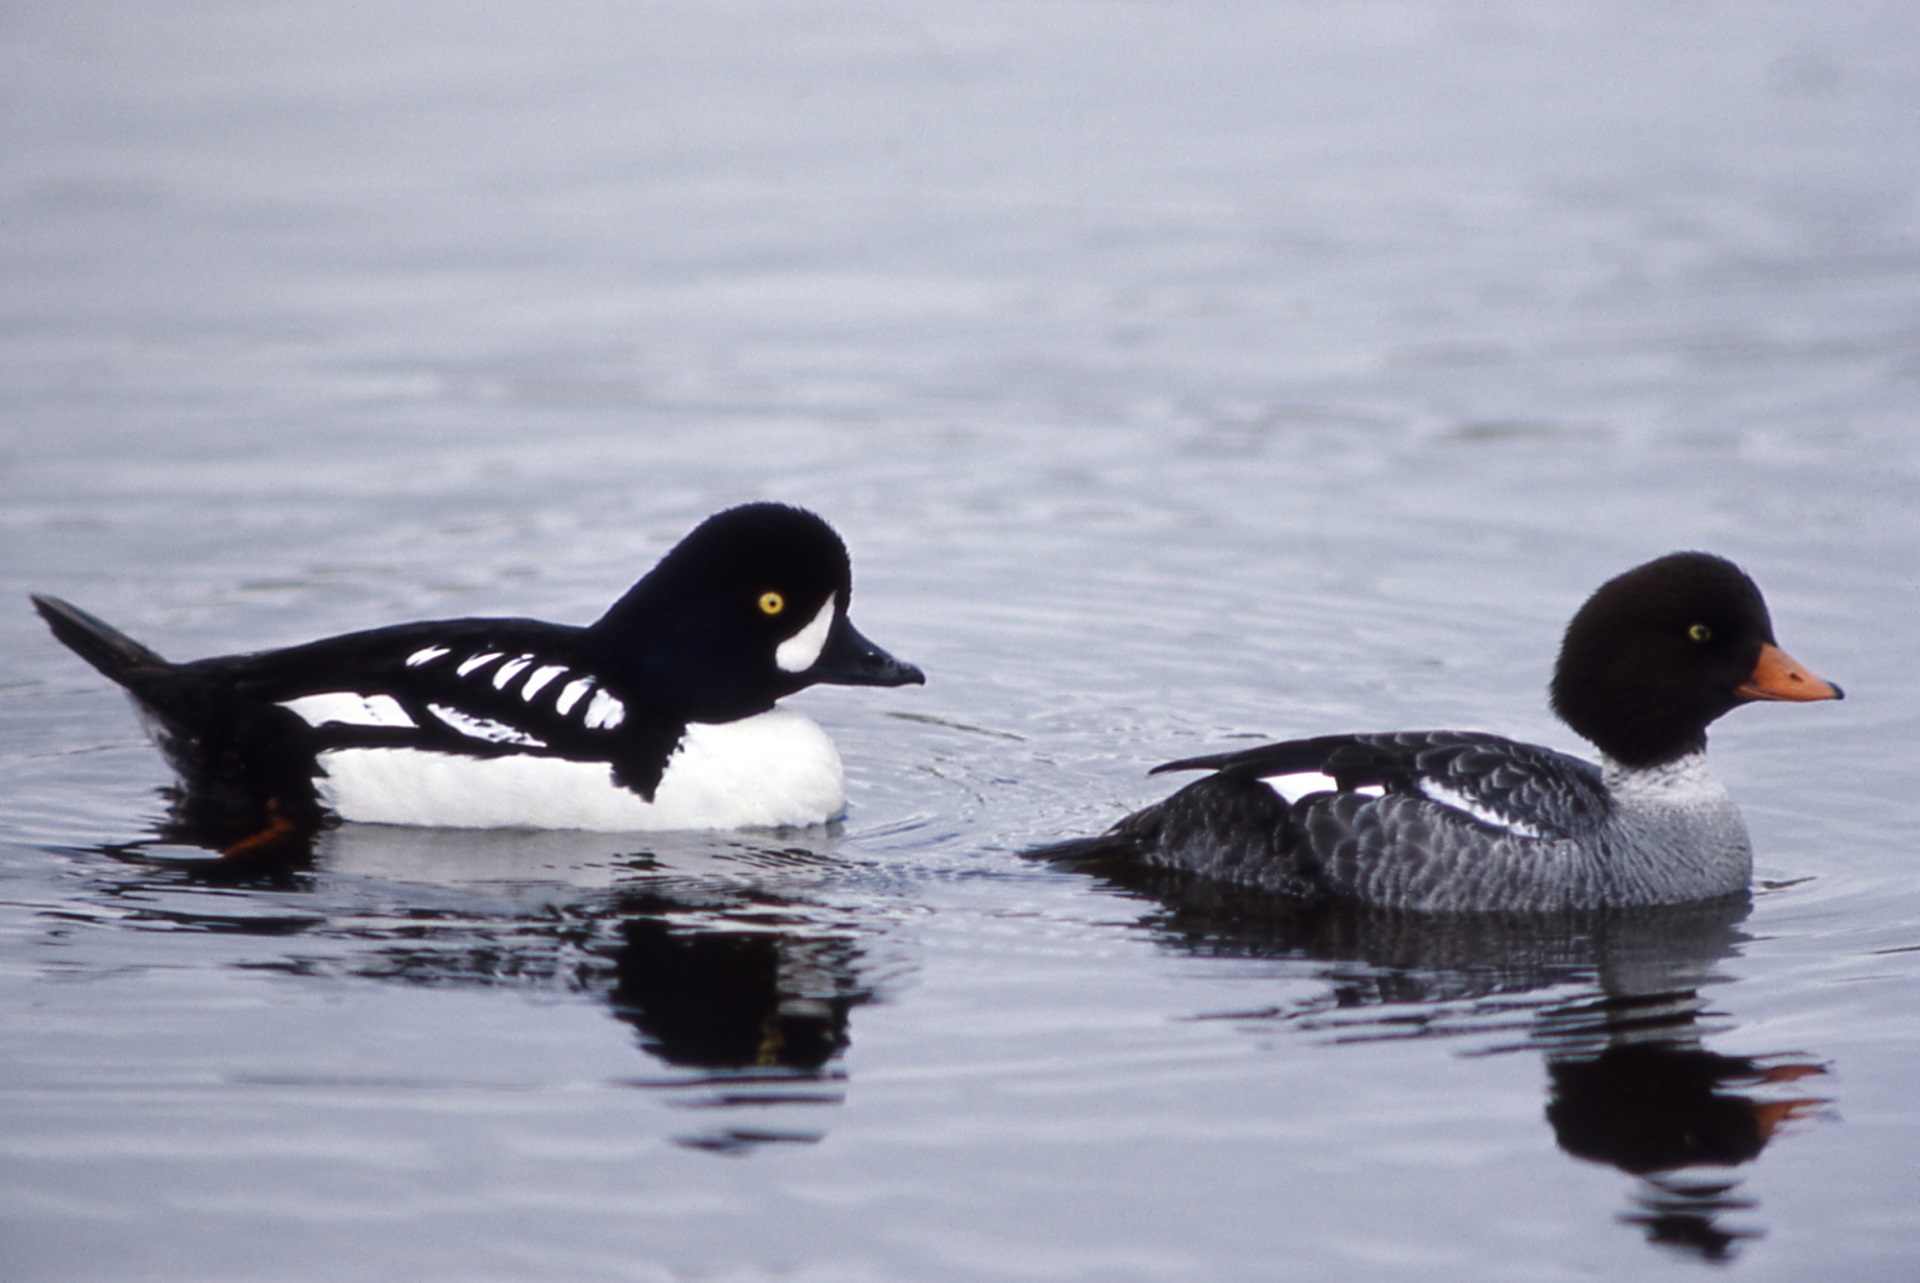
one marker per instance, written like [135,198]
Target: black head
[1661,651]
[750,607]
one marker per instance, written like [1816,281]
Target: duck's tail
[243,793]
[1088,853]
[115,654]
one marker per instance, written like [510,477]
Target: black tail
[99,643]
[245,789]
[1089,853]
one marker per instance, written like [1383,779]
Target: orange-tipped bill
[1768,1116]
[1779,675]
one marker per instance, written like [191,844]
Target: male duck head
[1658,653]
[747,609]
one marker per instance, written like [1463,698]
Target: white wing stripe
[349,708]
[1297,784]
[484,728]
[541,676]
[472,662]
[510,670]
[1434,791]
[572,693]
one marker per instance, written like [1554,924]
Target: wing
[1521,788]
[481,687]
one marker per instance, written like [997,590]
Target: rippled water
[1177,375]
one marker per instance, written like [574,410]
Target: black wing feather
[376,662]
[1547,791]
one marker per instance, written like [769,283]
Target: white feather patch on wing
[472,662]
[349,708]
[801,651]
[604,712]
[425,655]
[510,670]
[572,693]
[774,770]
[541,676]
[1298,784]
[1434,791]
[484,728]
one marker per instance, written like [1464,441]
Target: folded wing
[1496,782]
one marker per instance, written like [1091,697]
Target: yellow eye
[772,603]
[1700,633]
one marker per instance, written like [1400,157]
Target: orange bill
[1779,675]
[1768,1116]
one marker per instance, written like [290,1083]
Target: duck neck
[1672,781]
[1675,834]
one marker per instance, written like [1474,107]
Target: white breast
[774,770]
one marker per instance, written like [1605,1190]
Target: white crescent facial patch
[801,651]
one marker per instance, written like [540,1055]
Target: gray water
[1178,374]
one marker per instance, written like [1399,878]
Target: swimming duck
[1458,820]
[661,715]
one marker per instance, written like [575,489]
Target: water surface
[1178,376]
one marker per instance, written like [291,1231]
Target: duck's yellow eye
[1700,633]
[772,603]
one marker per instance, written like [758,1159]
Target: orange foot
[277,829]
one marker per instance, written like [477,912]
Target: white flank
[425,655]
[604,712]
[572,693]
[472,662]
[801,651]
[509,671]
[349,708]
[484,728]
[541,676]
[774,770]
[1434,791]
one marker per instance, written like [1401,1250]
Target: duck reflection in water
[1633,1086]
[731,974]
[740,996]
[740,992]
[1631,1083]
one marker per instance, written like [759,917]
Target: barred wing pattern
[479,687]
[1421,819]
[1527,789]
